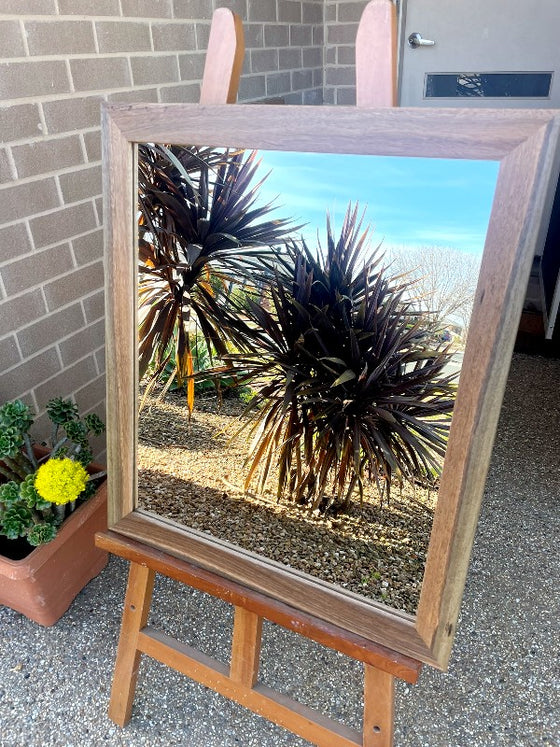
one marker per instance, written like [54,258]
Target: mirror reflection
[302,319]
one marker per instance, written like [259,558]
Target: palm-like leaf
[351,387]
[200,229]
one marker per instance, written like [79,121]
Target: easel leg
[246,647]
[379,707]
[135,615]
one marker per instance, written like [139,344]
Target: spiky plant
[200,230]
[349,385]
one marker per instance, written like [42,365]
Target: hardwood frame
[526,144]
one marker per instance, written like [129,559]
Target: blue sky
[409,201]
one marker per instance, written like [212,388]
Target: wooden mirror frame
[526,144]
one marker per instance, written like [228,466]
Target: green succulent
[15,414]
[23,512]
[40,534]
[60,411]
[16,520]
[9,493]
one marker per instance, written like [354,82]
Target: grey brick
[43,156]
[9,353]
[49,329]
[147,8]
[63,224]
[191,66]
[252,87]
[68,381]
[346,55]
[19,122]
[12,43]
[81,184]
[91,398]
[123,36]
[20,310]
[78,113]
[340,76]
[36,268]
[184,93]
[262,10]
[94,306]
[100,73]
[313,97]
[294,98]
[330,56]
[312,12]
[328,96]
[154,70]
[330,12]
[85,7]
[14,242]
[142,96]
[276,35]
[26,7]
[21,200]
[318,77]
[264,60]
[59,37]
[239,7]
[192,9]
[254,35]
[85,341]
[6,170]
[301,36]
[346,96]
[278,83]
[289,58]
[318,35]
[92,141]
[351,11]
[33,78]
[289,11]
[74,285]
[179,37]
[302,79]
[342,34]
[100,359]
[88,248]
[313,57]
[30,373]
[202,32]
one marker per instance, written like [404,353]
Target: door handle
[415,40]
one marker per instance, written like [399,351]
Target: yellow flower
[60,480]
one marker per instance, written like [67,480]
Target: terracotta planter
[43,585]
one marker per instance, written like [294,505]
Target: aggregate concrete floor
[503,684]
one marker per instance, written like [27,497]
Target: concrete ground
[503,684]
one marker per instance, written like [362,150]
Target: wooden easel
[376,75]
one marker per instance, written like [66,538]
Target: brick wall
[58,62]
[341,26]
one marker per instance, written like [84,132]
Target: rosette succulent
[38,493]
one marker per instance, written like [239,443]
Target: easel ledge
[239,681]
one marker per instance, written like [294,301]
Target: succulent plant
[33,509]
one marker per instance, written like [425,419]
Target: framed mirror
[341,532]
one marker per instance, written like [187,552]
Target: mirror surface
[298,374]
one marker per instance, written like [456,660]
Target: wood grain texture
[135,616]
[379,707]
[120,317]
[376,55]
[317,629]
[224,59]
[246,646]
[276,707]
[526,143]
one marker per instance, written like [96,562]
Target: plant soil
[193,472]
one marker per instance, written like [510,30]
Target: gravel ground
[502,688]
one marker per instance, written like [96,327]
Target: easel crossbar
[260,699]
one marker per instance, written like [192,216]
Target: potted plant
[52,501]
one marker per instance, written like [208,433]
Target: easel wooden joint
[239,681]
[376,75]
